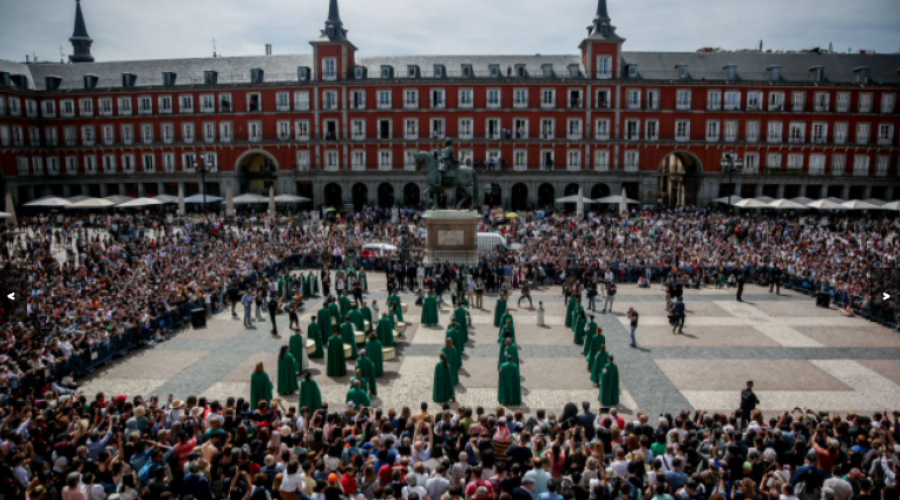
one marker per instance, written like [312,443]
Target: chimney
[27,58]
[268,49]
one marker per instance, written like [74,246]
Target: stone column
[845,191]
[104,190]
[868,192]
[803,190]
[161,188]
[780,191]
[141,190]
[67,190]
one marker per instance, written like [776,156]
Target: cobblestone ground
[796,353]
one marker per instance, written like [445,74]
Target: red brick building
[341,129]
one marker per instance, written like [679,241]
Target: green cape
[348,336]
[430,311]
[499,311]
[375,353]
[510,388]
[609,385]
[260,389]
[444,390]
[386,331]
[287,375]
[337,362]
[315,333]
[310,396]
[368,369]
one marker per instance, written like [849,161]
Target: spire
[81,41]
[334,28]
[602,27]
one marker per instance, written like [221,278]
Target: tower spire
[334,28]
[602,27]
[81,41]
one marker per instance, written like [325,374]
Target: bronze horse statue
[466,179]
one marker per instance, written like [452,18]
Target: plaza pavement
[797,354]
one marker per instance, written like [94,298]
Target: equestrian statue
[443,171]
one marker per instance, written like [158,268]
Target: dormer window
[547,70]
[731,72]
[257,75]
[210,77]
[387,72]
[412,71]
[169,78]
[632,71]
[682,71]
[303,73]
[862,74]
[4,79]
[90,81]
[359,73]
[18,81]
[774,73]
[439,71]
[574,71]
[128,79]
[818,73]
[467,70]
[52,82]
[495,71]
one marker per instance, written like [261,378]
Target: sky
[162,29]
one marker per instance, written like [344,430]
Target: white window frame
[110,164]
[188,132]
[573,160]
[129,163]
[683,99]
[819,134]
[548,128]
[329,68]
[888,102]
[358,130]
[776,100]
[653,96]
[283,101]
[72,165]
[575,129]
[732,100]
[437,98]
[186,104]
[226,132]
[330,100]
[494,98]
[108,134]
[466,98]
[754,100]
[127,133]
[48,108]
[466,128]
[604,67]
[169,164]
[385,160]
[865,102]
[410,98]
[775,132]
[632,129]
[817,164]
[385,99]
[861,163]
[207,103]
[602,127]
[332,160]
[773,161]
[838,164]
[633,100]
[751,163]
[255,131]
[437,128]
[795,161]
[521,130]
[730,130]
[145,105]
[148,162]
[841,132]
[498,131]
[303,160]
[885,134]
[882,165]
[284,130]
[548,98]
[713,130]
[843,102]
[520,97]
[822,102]
[632,162]
[411,129]
[166,106]
[601,160]
[358,160]
[797,133]
[126,106]
[302,130]
[798,101]
[90,164]
[301,100]
[714,100]
[863,133]
[53,165]
[520,160]
[209,132]
[682,130]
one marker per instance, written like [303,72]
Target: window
[53,165]
[22,165]
[885,134]
[773,160]
[775,131]
[520,160]
[682,72]
[49,110]
[15,108]
[632,71]
[652,130]
[329,68]
[226,132]
[438,131]
[87,135]
[493,98]
[632,130]
[843,102]
[751,163]
[819,133]
[108,134]
[124,106]
[465,128]
[410,99]
[284,130]
[776,101]
[798,101]
[862,133]
[106,106]
[731,130]
[652,99]
[128,163]
[165,104]
[90,164]
[187,133]
[31,108]
[145,105]
[358,160]
[209,132]
[330,100]
[189,162]
[301,100]
[385,159]
[71,165]
[548,98]
[712,130]
[795,161]
[888,102]
[682,130]
[409,159]
[127,131]
[604,67]
[732,100]
[882,163]
[303,160]
[438,98]
[493,128]
[52,136]
[495,71]
[601,160]
[386,71]
[602,130]
[254,102]
[840,132]
[301,129]
[109,163]
[632,161]
[3,105]
[358,130]
[332,161]
[575,129]
[19,136]
[816,164]
[547,128]
[255,133]
[754,101]
[186,103]
[634,99]
[683,99]
[822,101]
[865,105]
[575,96]
[385,129]
[35,135]
[604,100]
[168,162]
[520,98]
[797,132]
[5,137]
[520,128]
[714,100]
[37,165]
[861,165]
[283,101]
[207,103]
[466,98]
[573,160]
[211,161]
[838,164]
[411,129]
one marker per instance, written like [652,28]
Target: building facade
[342,129]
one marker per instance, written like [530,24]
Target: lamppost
[202,170]
[731,165]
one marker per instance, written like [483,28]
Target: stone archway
[385,195]
[334,195]
[256,171]
[519,197]
[495,197]
[412,194]
[600,191]
[546,195]
[359,194]
[679,179]
[570,190]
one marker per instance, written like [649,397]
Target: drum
[389,353]
[401,328]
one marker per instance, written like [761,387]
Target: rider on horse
[448,161]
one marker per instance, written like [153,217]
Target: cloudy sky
[144,29]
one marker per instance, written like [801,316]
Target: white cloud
[138,29]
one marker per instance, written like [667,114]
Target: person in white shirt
[292,482]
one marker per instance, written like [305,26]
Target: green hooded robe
[375,353]
[455,362]
[430,311]
[570,307]
[462,320]
[499,311]
[444,389]
[287,375]
[314,330]
[348,336]
[580,323]
[386,331]
[310,396]
[510,388]
[358,397]
[600,362]
[337,362]
[260,389]
[297,347]
[368,368]
[609,385]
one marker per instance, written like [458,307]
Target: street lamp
[202,170]
[731,165]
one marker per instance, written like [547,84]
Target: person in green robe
[507,328]
[348,336]
[337,362]
[570,308]
[386,331]
[375,353]
[368,370]
[395,307]
[590,331]
[600,362]
[314,330]
[260,387]
[454,334]
[430,310]
[366,313]
[356,318]
[298,349]
[287,372]
[510,388]
[359,376]
[363,282]
[310,395]
[358,396]
[508,349]
[461,315]
[345,305]
[281,287]
[288,291]
[453,359]
[325,324]
[335,312]
[499,310]
[580,323]
[313,284]
[444,390]
[598,341]
[577,313]
[609,384]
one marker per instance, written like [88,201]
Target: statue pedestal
[452,236]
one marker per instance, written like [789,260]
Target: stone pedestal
[452,236]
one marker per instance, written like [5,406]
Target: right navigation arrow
[885,296]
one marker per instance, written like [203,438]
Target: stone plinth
[452,236]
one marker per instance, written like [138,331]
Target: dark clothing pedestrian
[740,286]
[748,402]
[273,310]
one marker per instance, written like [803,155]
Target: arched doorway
[679,180]
[412,195]
[360,195]
[546,195]
[519,197]
[600,191]
[571,190]
[333,195]
[494,197]
[256,172]
[385,195]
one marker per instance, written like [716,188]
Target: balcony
[576,104]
